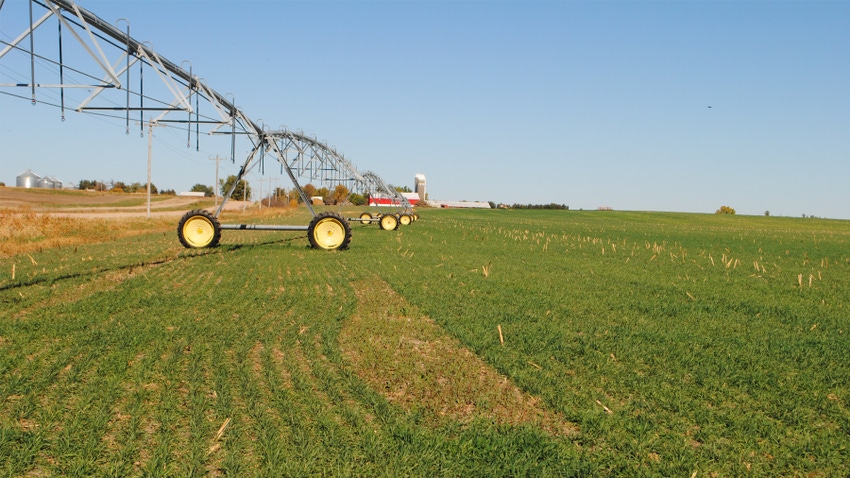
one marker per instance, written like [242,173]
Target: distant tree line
[202,188]
[121,187]
[339,196]
[242,192]
[541,206]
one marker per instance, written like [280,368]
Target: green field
[477,343]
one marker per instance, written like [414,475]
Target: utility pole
[215,186]
[273,191]
[244,193]
[150,153]
[151,124]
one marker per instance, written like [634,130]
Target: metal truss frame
[117,91]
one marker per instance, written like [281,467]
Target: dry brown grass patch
[411,361]
[27,231]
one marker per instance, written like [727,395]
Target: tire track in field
[414,364]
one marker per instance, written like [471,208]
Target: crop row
[471,342]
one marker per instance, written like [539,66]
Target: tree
[357,199]
[309,191]
[201,188]
[725,210]
[242,191]
[339,195]
[403,189]
[290,198]
[98,186]
[325,193]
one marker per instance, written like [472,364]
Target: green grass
[673,344]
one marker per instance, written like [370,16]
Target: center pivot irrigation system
[46,68]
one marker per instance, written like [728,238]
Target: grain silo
[47,182]
[27,179]
[419,186]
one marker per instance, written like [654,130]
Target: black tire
[365,218]
[405,219]
[198,229]
[389,222]
[329,231]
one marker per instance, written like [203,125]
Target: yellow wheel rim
[329,233]
[388,222]
[404,220]
[365,218]
[198,231]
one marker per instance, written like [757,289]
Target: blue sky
[634,105]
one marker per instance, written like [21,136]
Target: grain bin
[27,179]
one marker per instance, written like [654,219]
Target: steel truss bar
[101,60]
[299,155]
[377,185]
[71,15]
[263,227]
[14,43]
